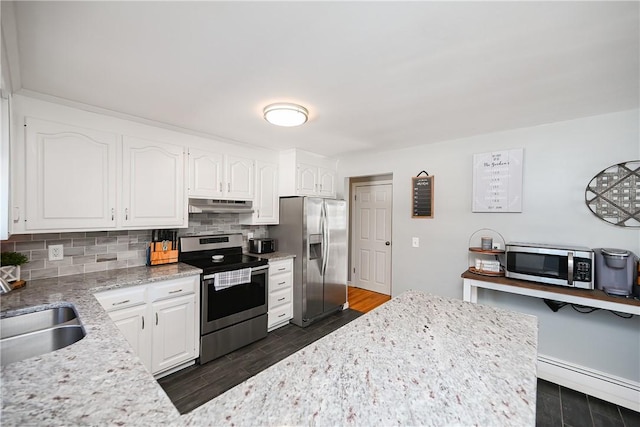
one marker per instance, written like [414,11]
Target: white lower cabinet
[134,324]
[173,332]
[280,293]
[159,320]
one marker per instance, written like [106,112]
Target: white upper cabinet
[326,182]
[85,179]
[216,176]
[307,174]
[205,174]
[71,177]
[153,184]
[307,179]
[239,174]
[266,206]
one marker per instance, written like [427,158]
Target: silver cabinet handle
[121,302]
[143,322]
[283,314]
[282,269]
[282,283]
[156,318]
[126,214]
[221,187]
[176,291]
[281,299]
[113,214]
[258,213]
[228,187]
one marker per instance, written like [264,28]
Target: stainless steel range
[234,290]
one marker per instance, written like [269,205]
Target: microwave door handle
[570,268]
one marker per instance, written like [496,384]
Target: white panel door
[71,177]
[239,177]
[205,174]
[372,238]
[307,180]
[153,184]
[135,325]
[174,330]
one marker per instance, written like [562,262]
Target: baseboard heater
[602,385]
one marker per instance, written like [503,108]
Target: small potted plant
[10,263]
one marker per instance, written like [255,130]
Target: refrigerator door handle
[325,238]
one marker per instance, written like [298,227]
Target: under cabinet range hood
[219,206]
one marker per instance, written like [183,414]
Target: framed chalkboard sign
[422,191]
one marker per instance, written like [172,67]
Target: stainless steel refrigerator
[315,231]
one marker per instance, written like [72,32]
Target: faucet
[4,286]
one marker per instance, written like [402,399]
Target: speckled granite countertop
[95,381]
[273,256]
[416,360]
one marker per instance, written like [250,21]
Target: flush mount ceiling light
[283,114]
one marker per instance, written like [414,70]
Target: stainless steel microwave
[552,264]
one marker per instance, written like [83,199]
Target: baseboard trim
[174,369]
[619,391]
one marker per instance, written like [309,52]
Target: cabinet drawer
[278,267]
[279,282]
[279,314]
[278,298]
[173,288]
[122,298]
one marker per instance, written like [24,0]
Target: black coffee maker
[616,271]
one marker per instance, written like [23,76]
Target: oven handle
[254,269]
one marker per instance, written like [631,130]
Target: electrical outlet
[415,242]
[56,252]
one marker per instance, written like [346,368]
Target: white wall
[559,161]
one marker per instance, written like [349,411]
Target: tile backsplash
[86,252]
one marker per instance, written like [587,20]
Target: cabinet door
[239,177]
[205,174]
[307,180]
[174,332]
[134,324]
[153,184]
[326,183]
[267,207]
[71,177]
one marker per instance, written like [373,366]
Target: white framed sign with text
[497,181]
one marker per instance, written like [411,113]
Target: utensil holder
[161,253]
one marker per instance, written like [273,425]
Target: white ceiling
[374,75]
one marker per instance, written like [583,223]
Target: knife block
[157,255]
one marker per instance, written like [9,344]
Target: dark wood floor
[196,385]
[562,407]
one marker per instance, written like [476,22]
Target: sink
[38,332]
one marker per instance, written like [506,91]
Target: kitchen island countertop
[418,359]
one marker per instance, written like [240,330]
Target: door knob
[387,243]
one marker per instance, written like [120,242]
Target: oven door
[229,306]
